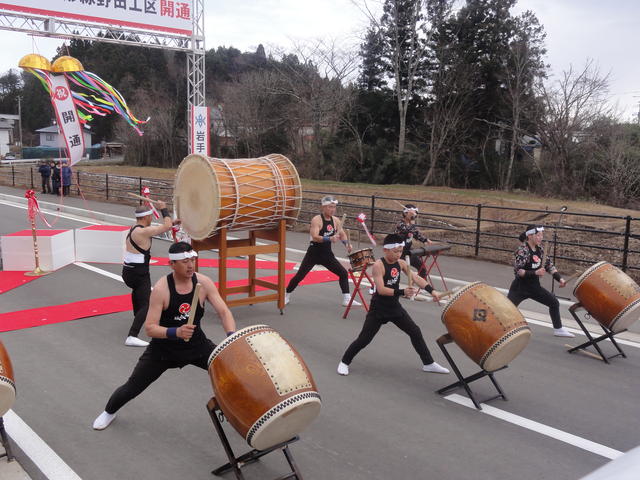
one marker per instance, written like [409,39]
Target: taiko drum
[263,386]
[609,295]
[7,385]
[239,194]
[361,258]
[486,325]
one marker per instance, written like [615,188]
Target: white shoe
[434,368]
[345,300]
[287,298]
[343,369]
[103,421]
[372,290]
[562,332]
[135,342]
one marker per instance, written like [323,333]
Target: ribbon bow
[146,193]
[33,208]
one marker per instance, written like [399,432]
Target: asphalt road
[565,416]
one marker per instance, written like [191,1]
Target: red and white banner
[170,16]
[200,128]
[68,122]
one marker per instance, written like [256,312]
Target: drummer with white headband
[135,269]
[385,307]
[177,338]
[408,230]
[530,264]
[325,229]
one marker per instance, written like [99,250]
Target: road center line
[541,428]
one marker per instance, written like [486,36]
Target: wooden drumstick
[585,352]
[403,206]
[571,277]
[140,197]
[342,220]
[194,306]
[409,274]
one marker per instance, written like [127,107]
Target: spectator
[66,179]
[45,173]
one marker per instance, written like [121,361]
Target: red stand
[424,267]
[357,280]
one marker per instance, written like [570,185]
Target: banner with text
[170,16]
[70,127]
[200,128]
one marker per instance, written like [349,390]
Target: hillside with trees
[434,96]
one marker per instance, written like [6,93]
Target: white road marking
[48,461]
[541,428]
[100,271]
[580,332]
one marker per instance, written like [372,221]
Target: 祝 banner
[170,16]
[200,128]
[70,127]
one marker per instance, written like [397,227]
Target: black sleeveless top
[391,279]
[146,253]
[176,315]
[328,230]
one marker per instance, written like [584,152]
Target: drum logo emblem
[184,308]
[479,315]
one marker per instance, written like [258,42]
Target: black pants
[400,319]
[325,258]
[137,278]
[46,186]
[147,370]
[65,190]
[416,262]
[520,291]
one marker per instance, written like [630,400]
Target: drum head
[506,349]
[284,421]
[626,318]
[7,395]
[197,196]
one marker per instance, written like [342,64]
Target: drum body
[361,258]
[486,325]
[7,385]
[240,194]
[609,295]
[263,386]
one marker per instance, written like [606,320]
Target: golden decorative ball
[33,60]
[66,64]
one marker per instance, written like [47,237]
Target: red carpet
[36,317]
[233,263]
[10,280]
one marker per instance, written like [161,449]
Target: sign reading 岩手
[169,16]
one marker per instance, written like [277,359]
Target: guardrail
[574,239]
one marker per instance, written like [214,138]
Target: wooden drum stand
[248,246]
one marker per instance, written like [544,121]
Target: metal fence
[573,239]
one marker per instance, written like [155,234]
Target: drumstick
[410,274]
[194,306]
[585,352]
[344,217]
[140,197]
[571,277]
[400,204]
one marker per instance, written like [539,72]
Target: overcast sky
[576,30]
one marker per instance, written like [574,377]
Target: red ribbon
[146,193]
[33,208]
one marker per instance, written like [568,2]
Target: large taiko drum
[240,194]
[7,385]
[609,295]
[486,325]
[263,386]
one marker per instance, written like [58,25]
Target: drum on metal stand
[239,194]
[263,386]
[360,259]
[7,385]
[486,325]
[609,295]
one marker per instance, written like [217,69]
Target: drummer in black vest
[325,230]
[529,269]
[408,230]
[174,343]
[135,269]
[385,307]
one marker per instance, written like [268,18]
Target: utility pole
[20,122]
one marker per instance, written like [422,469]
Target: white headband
[391,246]
[324,203]
[410,209]
[534,230]
[183,255]
[143,214]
